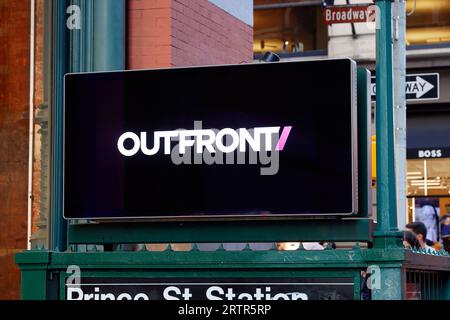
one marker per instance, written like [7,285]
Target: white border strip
[212,283]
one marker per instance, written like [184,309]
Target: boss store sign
[430,153]
[212,142]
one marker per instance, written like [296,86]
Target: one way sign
[419,87]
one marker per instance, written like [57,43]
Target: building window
[428,188]
[289,26]
[429,177]
[429,24]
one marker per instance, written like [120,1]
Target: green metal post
[58,233]
[109,35]
[386,191]
[390,285]
[446,287]
[364,143]
[34,271]
[387,235]
[98,45]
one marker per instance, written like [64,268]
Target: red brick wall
[205,34]
[14,73]
[165,33]
[149,33]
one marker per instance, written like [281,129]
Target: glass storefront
[429,22]
[428,164]
[289,29]
[287,26]
[429,177]
[428,191]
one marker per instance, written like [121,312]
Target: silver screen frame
[239,217]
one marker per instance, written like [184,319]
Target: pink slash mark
[283,138]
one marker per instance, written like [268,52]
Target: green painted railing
[44,273]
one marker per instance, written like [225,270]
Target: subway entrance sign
[212,142]
[232,289]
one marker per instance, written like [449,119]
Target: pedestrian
[420,230]
[410,240]
[445,232]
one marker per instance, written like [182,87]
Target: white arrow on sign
[420,87]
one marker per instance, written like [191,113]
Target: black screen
[316,168]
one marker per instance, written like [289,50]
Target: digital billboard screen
[248,140]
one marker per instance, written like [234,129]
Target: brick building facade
[14,119]
[160,33]
[174,33]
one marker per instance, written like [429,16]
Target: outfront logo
[211,145]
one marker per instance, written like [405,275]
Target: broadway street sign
[348,14]
[419,87]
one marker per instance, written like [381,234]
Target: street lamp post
[387,234]
[387,230]
[102,22]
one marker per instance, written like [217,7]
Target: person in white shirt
[421,233]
